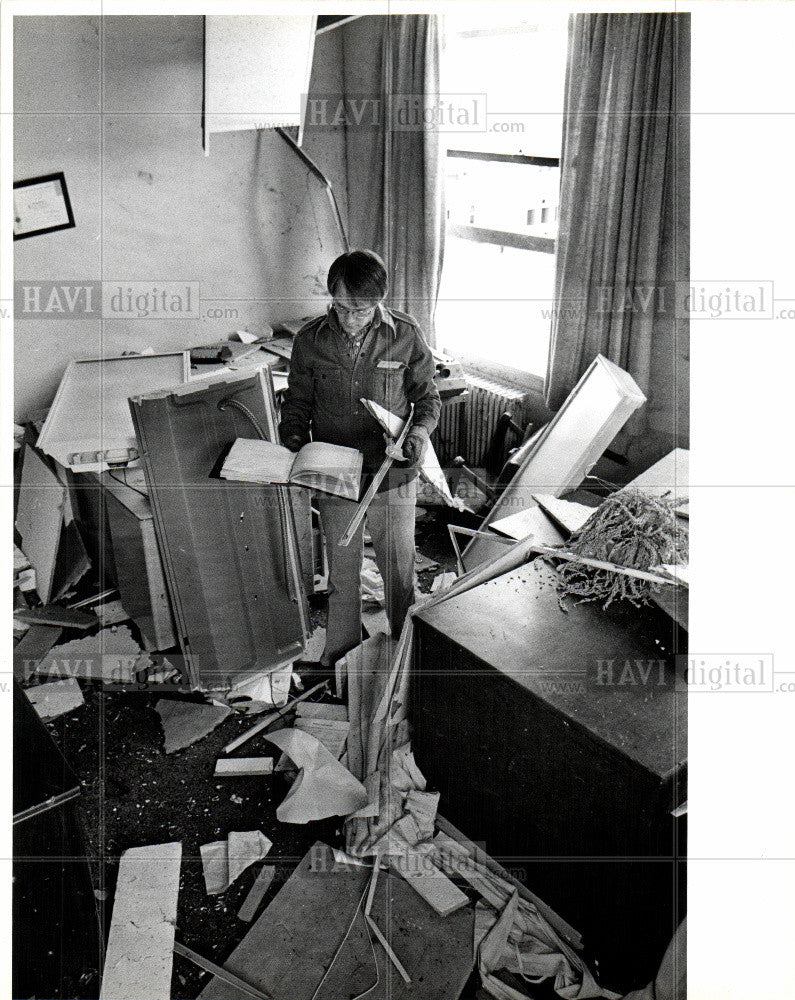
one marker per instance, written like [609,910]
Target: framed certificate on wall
[41,205]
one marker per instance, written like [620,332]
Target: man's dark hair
[361,272]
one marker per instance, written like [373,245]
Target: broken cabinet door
[229,549]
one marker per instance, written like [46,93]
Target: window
[501,193]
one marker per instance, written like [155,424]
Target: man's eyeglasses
[340,309]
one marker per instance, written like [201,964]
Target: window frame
[519,241]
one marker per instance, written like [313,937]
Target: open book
[320,466]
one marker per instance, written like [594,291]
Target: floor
[134,794]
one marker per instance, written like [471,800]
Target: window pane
[520,66]
[495,300]
[495,303]
[511,197]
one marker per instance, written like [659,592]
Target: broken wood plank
[54,614]
[140,949]
[261,885]
[58,698]
[271,718]
[295,938]
[219,972]
[557,922]
[429,882]
[32,647]
[243,767]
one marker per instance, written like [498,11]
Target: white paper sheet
[323,787]
[225,860]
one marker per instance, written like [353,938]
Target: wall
[115,103]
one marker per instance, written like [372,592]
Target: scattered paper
[405,775]
[244,336]
[265,690]
[185,722]
[225,860]
[409,829]
[423,807]
[372,582]
[373,785]
[332,733]
[52,700]
[323,787]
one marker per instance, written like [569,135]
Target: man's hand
[293,442]
[415,446]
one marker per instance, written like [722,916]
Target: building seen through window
[502,185]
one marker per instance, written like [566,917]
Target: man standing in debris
[362,349]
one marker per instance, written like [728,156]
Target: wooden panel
[89,420]
[139,568]
[141,939]
[40,518]
[256,70]
[229,549]
[293,942]
[568,447]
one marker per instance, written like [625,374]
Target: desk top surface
[611,671]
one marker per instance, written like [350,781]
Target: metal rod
[42,807]
[228,977]
[272,717]
[640,574]
[315,169]
[369,496]
[385,945]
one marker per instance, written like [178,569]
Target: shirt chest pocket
[389,386]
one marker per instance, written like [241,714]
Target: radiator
[467,424]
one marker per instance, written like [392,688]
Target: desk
[559,739]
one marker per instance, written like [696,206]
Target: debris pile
[632,530]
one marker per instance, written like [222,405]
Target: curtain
[412,225]
[622,239]
[393,181]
